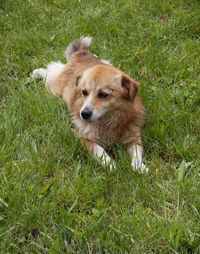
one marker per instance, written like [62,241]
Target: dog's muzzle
[86,114]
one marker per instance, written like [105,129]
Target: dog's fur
[103,101]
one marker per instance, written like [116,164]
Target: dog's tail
[76,45]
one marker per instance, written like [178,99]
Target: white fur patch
[106,62]
[39,73]
[86,41]
[87,103]
[84,128]
[53,70]
[136,154]
[100,154]
[54,66]
[87,130]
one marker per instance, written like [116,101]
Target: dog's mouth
[89,120]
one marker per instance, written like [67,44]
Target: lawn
[54,198]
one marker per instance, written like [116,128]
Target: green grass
[54,198]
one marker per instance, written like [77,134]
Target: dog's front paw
[140,167]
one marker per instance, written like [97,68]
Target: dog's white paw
[108,161]
[139,167]
[39,73]
[112,166]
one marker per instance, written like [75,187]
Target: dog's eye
[85,93]
[102,95]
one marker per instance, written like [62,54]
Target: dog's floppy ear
[130,86]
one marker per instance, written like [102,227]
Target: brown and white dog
[103,101]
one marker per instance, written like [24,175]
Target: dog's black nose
[86,114]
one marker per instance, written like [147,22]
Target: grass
[54,198]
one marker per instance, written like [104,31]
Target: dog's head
[102,88]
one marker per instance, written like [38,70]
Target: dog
[102,100]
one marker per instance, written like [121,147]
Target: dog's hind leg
[39,74]
[49,75]
[53,68]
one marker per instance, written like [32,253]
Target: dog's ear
[130,86]
[78,78]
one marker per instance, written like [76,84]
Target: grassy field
[54,198]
